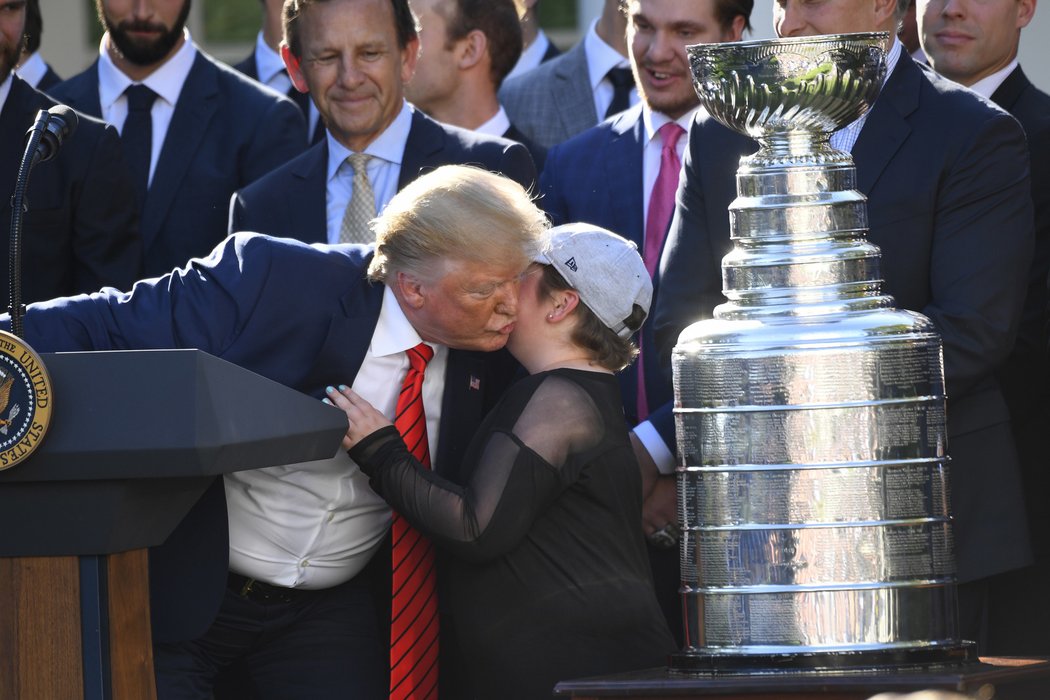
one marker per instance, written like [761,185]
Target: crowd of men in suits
[343,103]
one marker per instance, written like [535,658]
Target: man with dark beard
[194,130]
[79,231]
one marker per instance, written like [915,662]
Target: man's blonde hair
[456,212]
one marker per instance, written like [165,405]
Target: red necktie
[414,612]
[661,206]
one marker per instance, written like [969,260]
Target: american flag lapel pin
[475,383]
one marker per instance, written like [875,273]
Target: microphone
[53,126]
[42,142]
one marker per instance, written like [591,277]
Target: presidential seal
[25,400]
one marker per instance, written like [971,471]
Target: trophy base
[862,660]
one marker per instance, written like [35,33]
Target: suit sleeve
[279,137]
[982,247]
[204,305]
[107,249]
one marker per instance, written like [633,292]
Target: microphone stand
[19,206]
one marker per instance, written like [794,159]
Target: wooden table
[1005,678]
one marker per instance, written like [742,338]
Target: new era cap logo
[571,264]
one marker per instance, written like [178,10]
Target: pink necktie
[661,201]
[661,206]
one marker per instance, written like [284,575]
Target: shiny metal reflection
[813,479]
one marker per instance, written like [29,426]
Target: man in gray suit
[573,92]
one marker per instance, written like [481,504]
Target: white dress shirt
[5,90]
[272,73]
[315,525]
[845,138]
[33,69]
[384,170]
[986,86]
[600,59]
[166,81]
[497,126]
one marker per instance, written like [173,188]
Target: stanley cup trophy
[813,473]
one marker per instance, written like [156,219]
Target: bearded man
[193,129]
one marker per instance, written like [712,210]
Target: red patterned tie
[414,612]
[661,206]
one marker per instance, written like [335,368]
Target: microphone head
[64,120]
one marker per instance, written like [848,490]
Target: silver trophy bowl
[812,461]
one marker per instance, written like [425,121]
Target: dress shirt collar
[33,69]
[986,86]
[267,61]
[393,333]
[497,125]
[389,146]
[166,81]
[531,55]
[846,138]
[600,56]
[652,121]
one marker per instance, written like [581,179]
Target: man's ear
[291,63]
[411,289]
[886,15]
[1025,12]
[471,49]
[409,57]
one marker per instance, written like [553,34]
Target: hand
[660,513]
[362,417]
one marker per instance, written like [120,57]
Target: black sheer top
[543,570]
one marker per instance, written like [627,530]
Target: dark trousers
[321,644]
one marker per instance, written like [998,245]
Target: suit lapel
[1007,94]
[886,128]
[305,198]
[81,92]
[191,120]
[623,174]
[423,149]
[575,105]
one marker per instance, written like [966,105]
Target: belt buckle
[247,588]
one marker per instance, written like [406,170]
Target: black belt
[251,589]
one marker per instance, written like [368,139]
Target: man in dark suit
[312,197]
[79,232]
[946,177]
[32,67]
[265,65]
[466,49]
[610,175]
[202,130]
[975,44]
[589,82]
[297,608]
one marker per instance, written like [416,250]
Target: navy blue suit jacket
[290,201]
[946,176]
[80,232]
[226,132]
[298,314]
[596,177]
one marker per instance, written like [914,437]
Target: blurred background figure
[32,67]
[538,48]
[466,49]
[265,65]
[588,83]
[908,33]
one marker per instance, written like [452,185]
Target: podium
[136,437]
